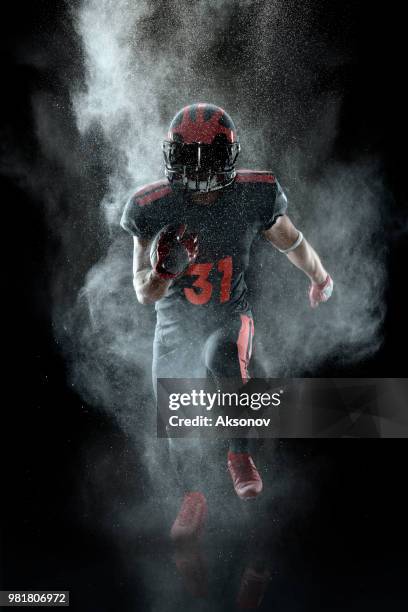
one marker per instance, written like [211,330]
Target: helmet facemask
[198,166]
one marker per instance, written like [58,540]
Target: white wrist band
[294,245]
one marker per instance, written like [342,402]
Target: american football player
[192,236]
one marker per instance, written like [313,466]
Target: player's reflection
[256,576]
[192,565]
[245,547]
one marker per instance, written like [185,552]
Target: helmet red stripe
[201,130]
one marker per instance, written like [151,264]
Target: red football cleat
[254,584]
[245,476]
[191,518]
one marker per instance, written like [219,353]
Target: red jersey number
[201,290]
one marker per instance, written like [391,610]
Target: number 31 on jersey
[201,290]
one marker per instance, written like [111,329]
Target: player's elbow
[144,299]
[141,296]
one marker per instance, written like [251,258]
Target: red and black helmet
[201,148]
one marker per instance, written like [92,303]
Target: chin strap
[294,245]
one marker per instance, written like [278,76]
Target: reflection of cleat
[245,476]
[191,518]
[252,589]
[192,568]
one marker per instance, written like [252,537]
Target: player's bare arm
[289,240]
[148,285]
[283,235]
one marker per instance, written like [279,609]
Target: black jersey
[225,228]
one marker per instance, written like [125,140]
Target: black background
[353,550]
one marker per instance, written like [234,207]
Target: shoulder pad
[254,176]
[151,192]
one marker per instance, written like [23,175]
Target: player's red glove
[320,292]
[173,250]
